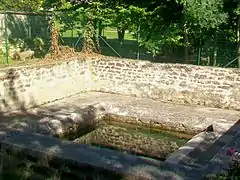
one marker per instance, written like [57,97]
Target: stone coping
[58,117]
[50,148]
[198,141]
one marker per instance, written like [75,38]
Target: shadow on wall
[12,100]
[48,120]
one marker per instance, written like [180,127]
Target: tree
[19,5]
[201,16]
[127,18]
[54,5]
[237,12]
[86,15]
[160,33]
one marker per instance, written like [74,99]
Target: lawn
[110,33]
[110,46]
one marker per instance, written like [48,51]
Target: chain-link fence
[220,53]
[27,36]
[23,36]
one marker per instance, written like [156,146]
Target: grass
[12,63]
[70,33]
[128,49]
[110,33]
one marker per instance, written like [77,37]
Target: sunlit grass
[15,63]
[112,34]
[109,33]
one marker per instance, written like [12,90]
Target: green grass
[70,33]
[110,33]
[3,63]
[12,63]
[128,49]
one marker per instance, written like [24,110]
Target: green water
[134,139]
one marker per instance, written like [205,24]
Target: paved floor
[142,108]
[180,116]
[52,118]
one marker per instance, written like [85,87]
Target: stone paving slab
[183,117]
[56,117]
[203,148]
[41,146]
[53,118]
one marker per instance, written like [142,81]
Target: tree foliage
[19,5]
[205,14]
[164,26]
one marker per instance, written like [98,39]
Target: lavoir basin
[133,139]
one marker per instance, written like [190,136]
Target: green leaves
[205,14]
[237,10]
[19,5]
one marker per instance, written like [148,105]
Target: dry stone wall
[177,83]
[28,86]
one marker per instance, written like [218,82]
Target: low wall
[28,86]
[177,83]
[184,84]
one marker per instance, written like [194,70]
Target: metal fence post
[199,53]
[6,37]
[138,39]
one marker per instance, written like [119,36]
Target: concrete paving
[90,104]
[178,116]
[57,117]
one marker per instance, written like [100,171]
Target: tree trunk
[186,44]
[238,40]
[121,34]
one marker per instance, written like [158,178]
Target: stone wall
[177,83]
[29,86]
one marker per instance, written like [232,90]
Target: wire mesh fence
[23,36]
[220,53]
[27,36]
